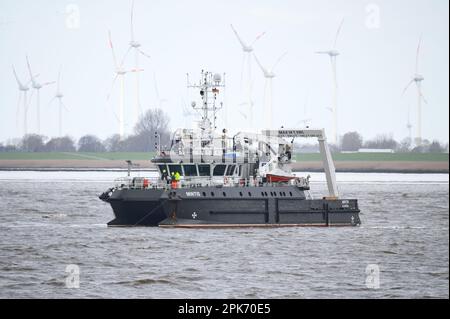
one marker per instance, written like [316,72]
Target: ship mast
[208,87]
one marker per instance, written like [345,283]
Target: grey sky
[185,36]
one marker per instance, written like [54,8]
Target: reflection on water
[49,220]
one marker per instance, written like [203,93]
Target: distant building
[375,150]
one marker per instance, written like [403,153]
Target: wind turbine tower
[333,54]
[418,78]
[136,46]
[247,68]
[59,96]
[268,101]
[23,91]
[37,87]
[120,75]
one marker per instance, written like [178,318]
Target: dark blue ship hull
[214,207]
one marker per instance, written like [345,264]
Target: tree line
[143,139]
[156,120]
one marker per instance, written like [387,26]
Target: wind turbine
[59,96]
[418,78]
[333,54]
[23,91]
[37,86]
[120,75]
[247,64]
[269,75]
[136,46]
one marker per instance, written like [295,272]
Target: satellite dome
[217,77]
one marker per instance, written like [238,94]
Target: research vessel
[209,178]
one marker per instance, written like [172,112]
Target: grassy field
[75,156]
[378,157]
[309,157]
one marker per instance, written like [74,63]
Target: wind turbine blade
[419,89]
[112,49]
[29,68]
[144,54]
[64,106]
[112,87]
[417,54]
[131,21]
[125,56]
[48,83]
[260,65]
[238,37]
[278,61]
[259,36]
[407,86]
[338,32]
[51,101]
[17,78]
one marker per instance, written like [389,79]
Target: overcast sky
[378,45]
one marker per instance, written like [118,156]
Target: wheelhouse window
[162,168]
[204,170]
[219,170]
[190,170]
[175,168]
[230,170]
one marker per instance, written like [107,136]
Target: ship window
[290,193]
[219,170]
[249,194]
[175,168]
[212,194]
[240,193]
[204,170]
[204,194]
[265,193]
[230,169]
[224,194]
[190,170]
[262,194]
[162,167]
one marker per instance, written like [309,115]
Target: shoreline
[414,167]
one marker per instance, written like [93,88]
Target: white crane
[37,87]
[120,75]
[268,75]
[247,68]
[59,96]
[23,92]
[418,78]
[333,54]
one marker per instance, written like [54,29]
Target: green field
[75,156]
[378,157]
[307,157]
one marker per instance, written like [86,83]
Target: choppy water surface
[51,220]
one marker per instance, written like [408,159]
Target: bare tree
[33,143]
[90,143]
[351,141]
[60,144]
[153,121]
[382,142]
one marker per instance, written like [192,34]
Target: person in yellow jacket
[177,178]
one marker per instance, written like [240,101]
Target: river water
[53,222]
